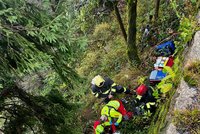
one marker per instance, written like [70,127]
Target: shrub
[88,63]
[102,32]
[138,125]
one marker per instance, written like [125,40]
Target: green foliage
[115,58]
[187,121]
[177,68]
[175,7]
[90,61]
[35,38]
[49,114]
[192,74]
[141,80]
[47,38]
[104,58]
[190,80]
[187,28]
[166,83]
[184,8]
[128,77]
[193,1]
[164,88]
[56,97]
[138,125]
[158,120]
[87,14]
[156,94]
[102,32]
[51,81]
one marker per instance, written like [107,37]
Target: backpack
[165,49]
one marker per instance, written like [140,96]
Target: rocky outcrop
[171,129]
[194,53]
[186,97]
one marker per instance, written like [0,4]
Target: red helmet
[141,90]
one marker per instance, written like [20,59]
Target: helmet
[98,81]
[105,110]
[141,90]
[100,129]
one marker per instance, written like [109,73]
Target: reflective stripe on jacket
[110,110]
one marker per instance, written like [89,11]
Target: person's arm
[120,89]
[95,92]
[106,123]
[106,100]
[116,114]
[99,129]
[97,132]
[115,87]
[111,84]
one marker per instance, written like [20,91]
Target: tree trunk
[156,9]
[131,42]
[119,19]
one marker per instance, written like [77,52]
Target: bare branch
[168,38]
[31,129]
[1,130]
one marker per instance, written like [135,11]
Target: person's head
[141,90]
[98,81]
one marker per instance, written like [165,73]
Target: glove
[110,96]
[116,124]
[111,123]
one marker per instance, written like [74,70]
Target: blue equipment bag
[156,76]
[165,49]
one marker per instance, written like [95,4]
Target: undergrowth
[187,121]
[192,74]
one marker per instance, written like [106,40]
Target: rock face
[172,129]
[186,98]
[194,53]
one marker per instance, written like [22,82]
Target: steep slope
[185,107]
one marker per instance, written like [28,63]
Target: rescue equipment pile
[165,53]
